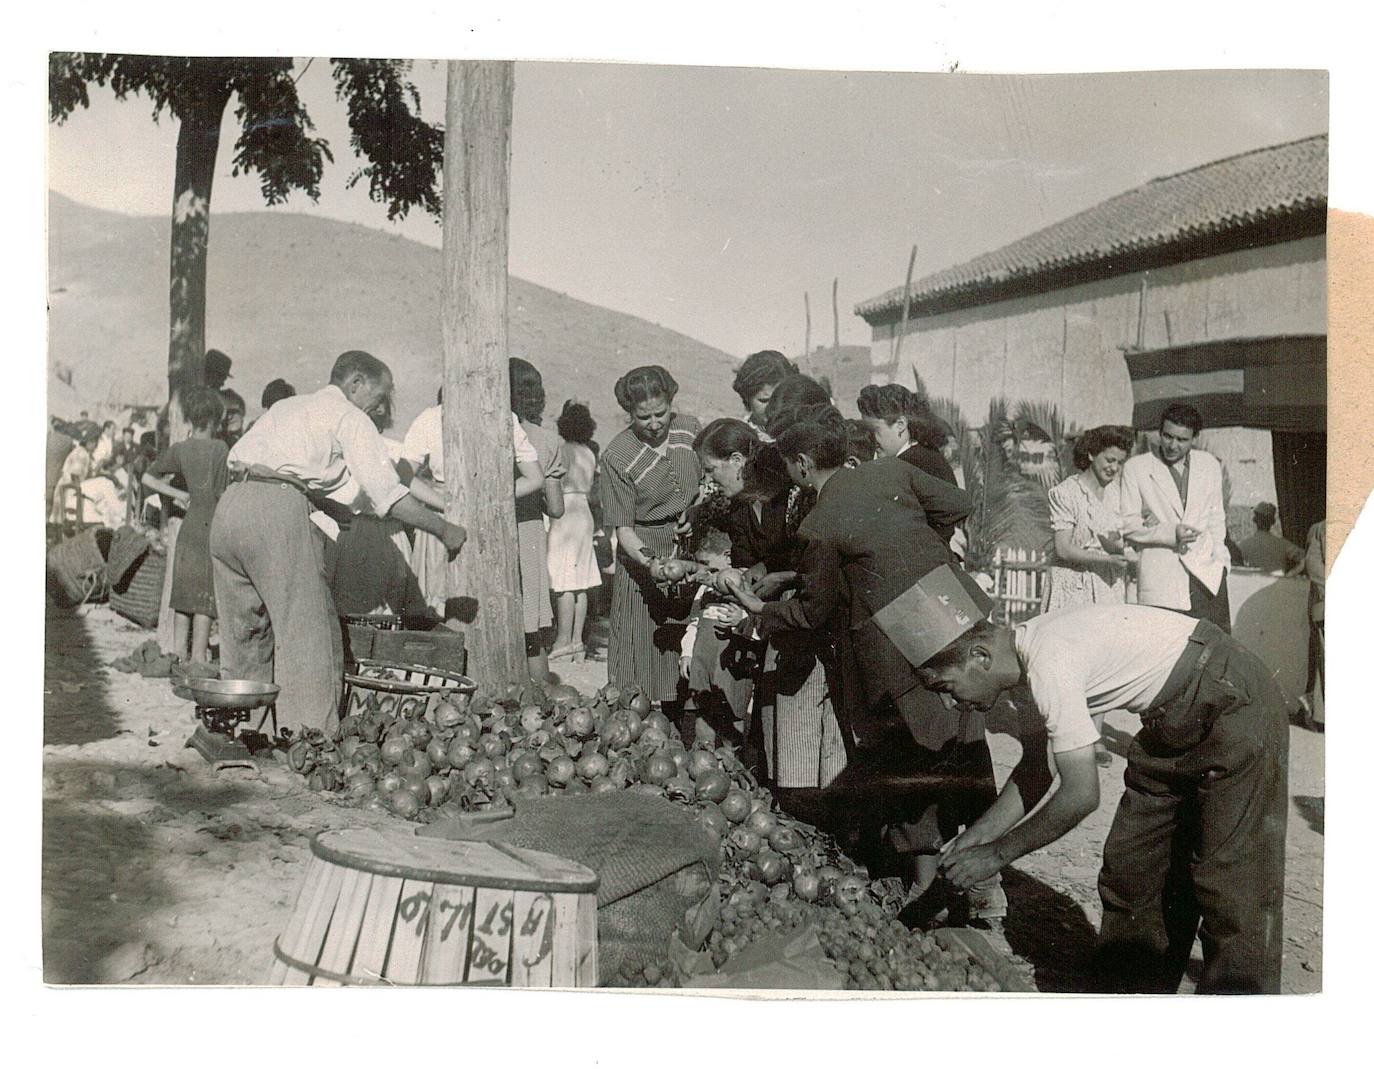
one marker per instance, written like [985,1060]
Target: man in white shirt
[1199,834]
[277,619]
[1172,511]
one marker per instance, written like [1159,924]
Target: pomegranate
[538,739]
[592,766]
[376,803]
[681,789]
[581,723]
[370,728]
[561,692]
[348,746]
[419,734]
[561,771]
[611,695]
[390,781]
[438,789]
[770,867]
[503,779]
[621,773]
[531,718]
[746,841]
[460,753]
[411,780]
[640,705]
[394,750]
[786,840]
[437,753]
[448,716]
[652,739]
[657,769]
[806,884]
[735,806]
[701,761]
[526,766]
[601,785]
[676,570]
[654,719]
[763,822]
[713,785]
[349,726]
[479,771]
[417,760]
[713,820]
[404,803]
[494,745]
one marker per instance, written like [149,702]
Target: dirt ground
[157,870]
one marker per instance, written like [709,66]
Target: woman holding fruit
[649,476]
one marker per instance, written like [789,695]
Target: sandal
[559,653]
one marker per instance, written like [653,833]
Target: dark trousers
[1204,605]
[1197,846]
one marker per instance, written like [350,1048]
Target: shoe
[561,653]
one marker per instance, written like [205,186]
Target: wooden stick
[835,354]
[906,308]
[806,348]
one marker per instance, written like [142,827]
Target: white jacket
[1150,500]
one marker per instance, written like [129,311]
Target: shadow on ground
[75,706]
[1313,810]
[1050,931]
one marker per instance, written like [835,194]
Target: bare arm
[553,497]
[409,511]
[161,486]
[1068,553]
[966,862]
[632,545]
[425,492]
[530,480]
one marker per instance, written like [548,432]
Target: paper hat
[929,615]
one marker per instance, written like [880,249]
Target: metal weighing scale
[221,706]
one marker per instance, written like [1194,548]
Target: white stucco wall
[1065,346]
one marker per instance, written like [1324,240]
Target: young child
[200,460]
[716,664]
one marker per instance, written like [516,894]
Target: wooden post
[478,452]
[906,308]
[835,353]
[806,345]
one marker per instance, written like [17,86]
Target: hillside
[289,292]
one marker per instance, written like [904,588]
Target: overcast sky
[709,199]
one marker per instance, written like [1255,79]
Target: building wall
[1065,346]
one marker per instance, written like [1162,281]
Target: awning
[1276,382]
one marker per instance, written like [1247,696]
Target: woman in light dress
[573,570]
[1089,556]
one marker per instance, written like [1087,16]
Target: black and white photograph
[724,529]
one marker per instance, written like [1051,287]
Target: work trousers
[1204,605]
[1199,835]
[276,617]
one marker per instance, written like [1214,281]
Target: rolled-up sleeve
[369,463]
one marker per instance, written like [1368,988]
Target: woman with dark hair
[848,572]
[798,725]
[1089,565]
[904,426]
[201,462]
[755,381]
[793,393]
[572,558]
[527,402]
[649,476]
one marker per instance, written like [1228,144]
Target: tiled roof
[1225,195]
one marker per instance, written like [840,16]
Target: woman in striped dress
[649,476]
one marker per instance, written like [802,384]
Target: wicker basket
[76,567]
[139,596]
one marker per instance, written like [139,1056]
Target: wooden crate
[392,908]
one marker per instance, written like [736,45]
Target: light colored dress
[1074,508]
[572,557]
[535,594]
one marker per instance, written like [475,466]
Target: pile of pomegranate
[411,755]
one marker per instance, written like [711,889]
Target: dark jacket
[762,539]
[867,540]
[932,462]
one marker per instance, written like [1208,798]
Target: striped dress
[647,489]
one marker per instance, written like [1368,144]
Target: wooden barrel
[393,908]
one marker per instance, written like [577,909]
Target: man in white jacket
[1172,511]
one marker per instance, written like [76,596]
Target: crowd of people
[791,581]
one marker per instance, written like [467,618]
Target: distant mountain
[289,292]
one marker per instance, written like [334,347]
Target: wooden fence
[1019,578]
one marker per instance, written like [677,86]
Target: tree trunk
[478,452]
[197,151]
